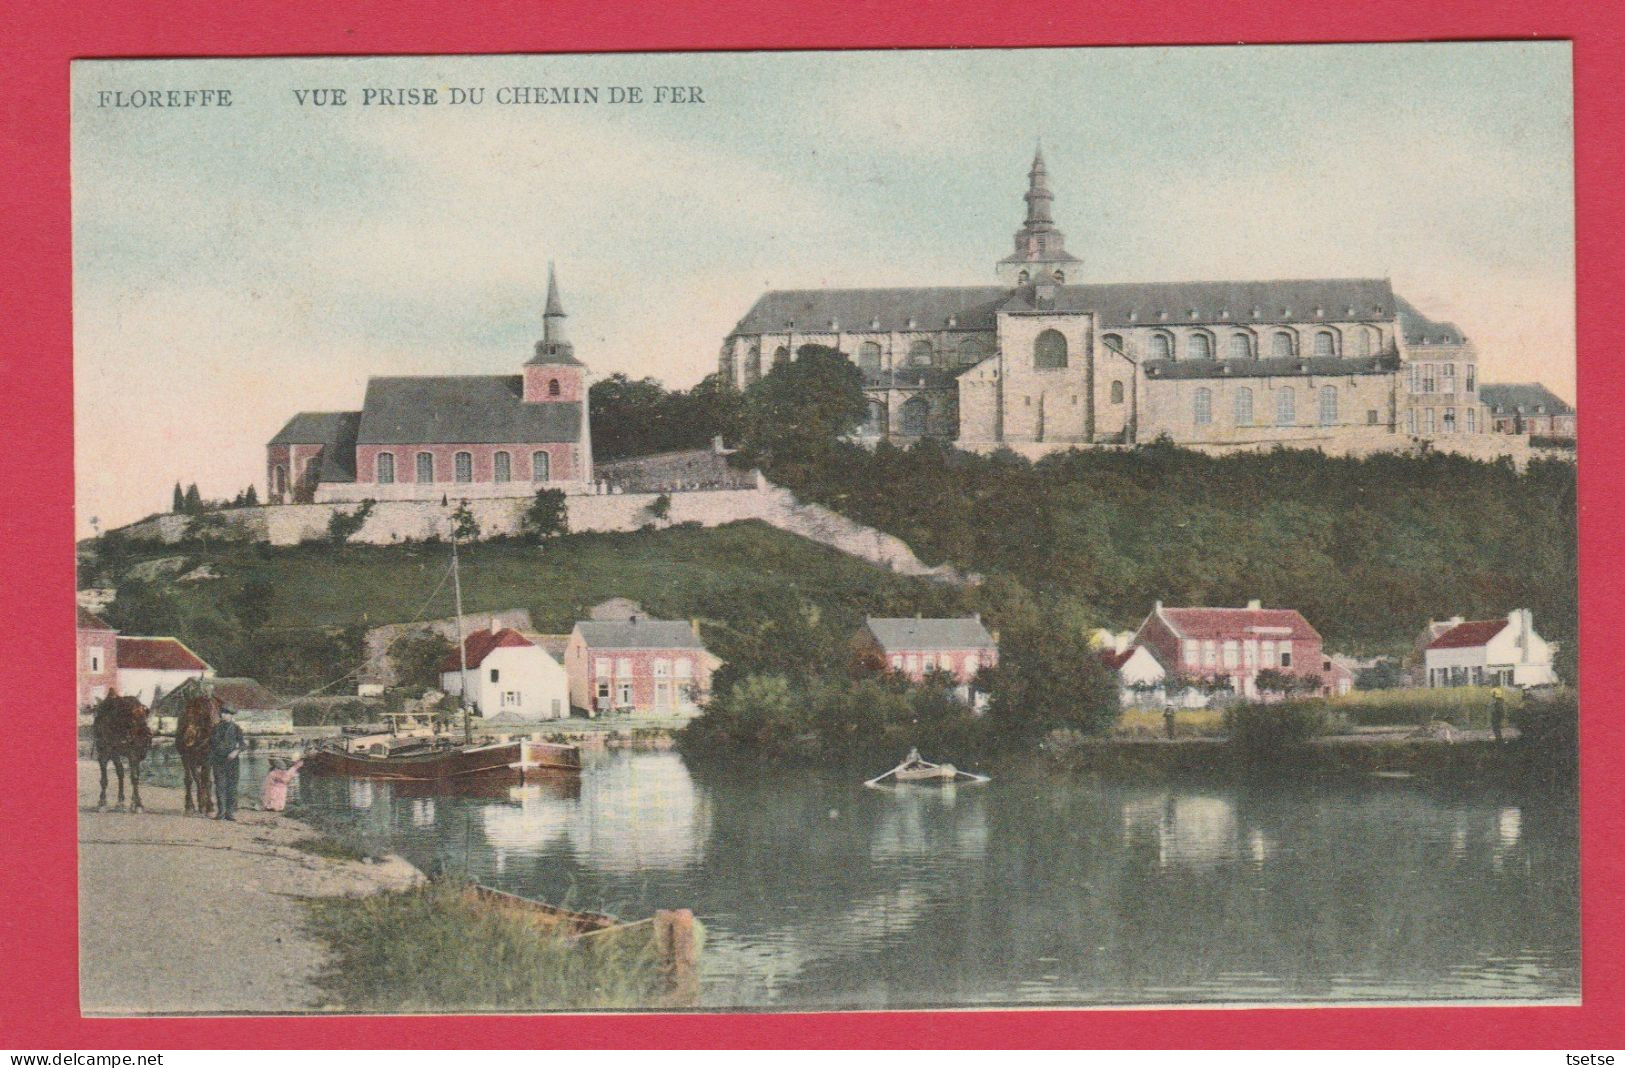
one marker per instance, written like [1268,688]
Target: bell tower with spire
[1040,247]
[554,374]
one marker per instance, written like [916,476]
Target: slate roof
[641,634]
[461,409]
[88,620]
[1524,397]
[897,635]
[243,694]
[1119,304]
[1420,330]
[318,428]
[1468,635]
[1285,623]
[1269,367]
[481,644]
[157,654]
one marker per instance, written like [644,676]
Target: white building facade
[1490,652]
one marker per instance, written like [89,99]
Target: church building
[1044,360]
[457,436]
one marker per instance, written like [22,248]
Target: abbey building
[1044,360]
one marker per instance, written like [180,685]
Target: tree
[193,502]
[252,602]
[416,657]
[1048,678]
[252,497]
[464,527]
[548,514]
[800,410]
[177,502]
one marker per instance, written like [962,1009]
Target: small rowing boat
[916,768]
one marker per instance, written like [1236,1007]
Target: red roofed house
[148,668]
[509,676]
[1485,652]
[1235,644]
[98,658]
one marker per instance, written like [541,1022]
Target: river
[1063,890]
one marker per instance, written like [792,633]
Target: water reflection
[818,893]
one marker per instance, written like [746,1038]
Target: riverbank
[191,916]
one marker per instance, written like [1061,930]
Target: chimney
[1156,606]
[976,616]
[1255,604]
[496,623]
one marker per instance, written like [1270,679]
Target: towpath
[184,915]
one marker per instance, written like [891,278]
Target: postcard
[850,530]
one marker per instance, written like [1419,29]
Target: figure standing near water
[274,794]
[1168,720]
[225,753]
[1498,710]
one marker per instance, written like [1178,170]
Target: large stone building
[463,436]
[1044,360]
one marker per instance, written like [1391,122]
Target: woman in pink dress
[274,795]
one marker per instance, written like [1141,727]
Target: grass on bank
[1463,707]
[432,949]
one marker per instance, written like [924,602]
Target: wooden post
[679,956]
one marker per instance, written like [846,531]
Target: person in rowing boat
[225,755]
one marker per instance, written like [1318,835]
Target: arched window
[1201,347]
[875,421]
[1162,347]
[1060,276]
[540,466]
[1325,343]
[869,357]
[972,350]
[1283,344]
[1049,351]
[915,415]
[386,467]
[425,467]
[1241,346]
[281,479]
[1023,278]
[1202,409]
[552,387]
[781,356]
[1244,407]
[1117,392]
[1113,343]
[920,354]
[463,467]
[1328,405]
[1286,406]
[501,467]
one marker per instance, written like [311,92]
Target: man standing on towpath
[225,752]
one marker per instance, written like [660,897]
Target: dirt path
[179,914]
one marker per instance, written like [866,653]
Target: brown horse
[122,737]
[192,734]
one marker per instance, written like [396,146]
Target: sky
[236,265]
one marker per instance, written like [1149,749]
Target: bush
[342,526]
[1549,734]
[1264,732]
[548,514]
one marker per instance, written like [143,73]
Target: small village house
[509,676]
[916,647]
[1233,645]
[1142,680]
[98,658]
[637,665]
[149,667]
[259,711]
[1528,408]
[1485,652]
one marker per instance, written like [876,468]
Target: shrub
[548,514]
[1263,732]
[342,526]
[1549,734]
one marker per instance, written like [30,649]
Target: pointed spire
[554,305]
[1038,195]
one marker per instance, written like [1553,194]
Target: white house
[148,668]
[1487,652]
[509,675]
[1140,675]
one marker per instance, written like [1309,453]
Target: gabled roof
[242,694]
[1468,635]
[1119,304]
[1525,398]
[481,644]
[640,633]
[1276,623]
[915,633]
[318,428]
[157,654]
[462,409]
[89,620]
[1115,660]
[1420,330]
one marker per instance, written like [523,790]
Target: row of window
[1441,377]
[1430,419]
[914,663]
[1286,406]
[1240,345]
[663,668]
[463,467]
[1231,653]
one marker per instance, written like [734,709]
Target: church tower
[1040,248]
[554,376]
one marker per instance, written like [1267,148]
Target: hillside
[293,616]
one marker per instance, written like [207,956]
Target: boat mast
[462,646]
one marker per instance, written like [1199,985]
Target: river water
[1070,890]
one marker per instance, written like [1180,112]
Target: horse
[192,735]
[122,737]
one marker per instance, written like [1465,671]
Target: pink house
[638,665]
[1235,644]
[915,648]
[98,658]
